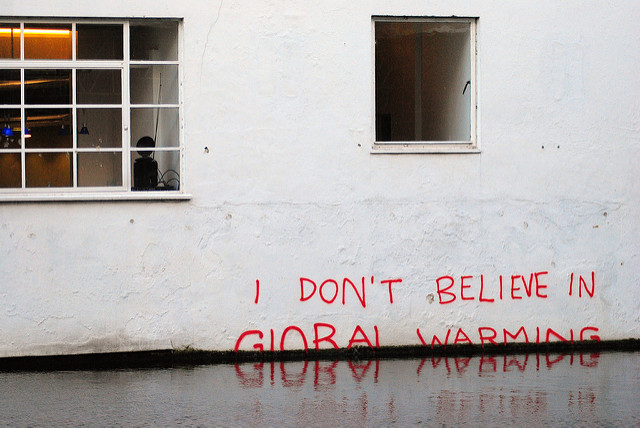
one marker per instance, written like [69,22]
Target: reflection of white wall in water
[278,125]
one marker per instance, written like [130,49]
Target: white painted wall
[281,93]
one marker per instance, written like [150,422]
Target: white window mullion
[74,132]
[474,78]
[22,41]
[23,159]
[181,163]
[23,141]
[73,42]
[126,114]
[181,125]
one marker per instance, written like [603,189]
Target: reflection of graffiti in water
[323,373]
[455,390]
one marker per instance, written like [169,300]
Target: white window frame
[400,147]
[76,193]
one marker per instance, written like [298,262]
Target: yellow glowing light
[26,134]
[32,82]
[37,32]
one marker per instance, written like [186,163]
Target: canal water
[579,389]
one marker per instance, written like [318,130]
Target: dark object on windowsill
[145,169]
[159,187]
[163,186]
[145,174]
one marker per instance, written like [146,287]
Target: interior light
[63,130]
[46,32]
[37,31]
[84,130]
[6,131]
[27,133]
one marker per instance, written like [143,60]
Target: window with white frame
[425,84]
[90,107]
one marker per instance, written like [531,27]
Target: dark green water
[522,390]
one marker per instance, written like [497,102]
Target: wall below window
[295,229]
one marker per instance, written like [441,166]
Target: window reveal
[425,82]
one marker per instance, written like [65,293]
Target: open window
[90,108]
[425,85]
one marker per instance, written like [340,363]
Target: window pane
[10,125]
[155,170]
[49,169]
[99,86]
[10,170]
[49,128]
[422,70]
[154,84]
[143,124]
[97,41]
[9,86]
[9,40]
[102,127]
[47,41]
[154,41]
[47,86]
[168,169]
[102,169]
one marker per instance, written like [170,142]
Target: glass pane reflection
[47,86]
[159,122]
[155,41]
[420,70]
[10,170]
[49,128]
[99,41]
[9,40]
[99,86]
[49,169]
[103,125]
[155,170]
[102,169]
[10,128]
[47,41]
[154,84]
[9,86]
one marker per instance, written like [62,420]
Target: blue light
[6,131]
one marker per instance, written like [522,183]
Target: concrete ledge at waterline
[165,358]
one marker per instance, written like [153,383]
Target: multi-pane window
[425,84]
[90,106]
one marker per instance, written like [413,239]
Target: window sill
[423,148]
[91,197]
